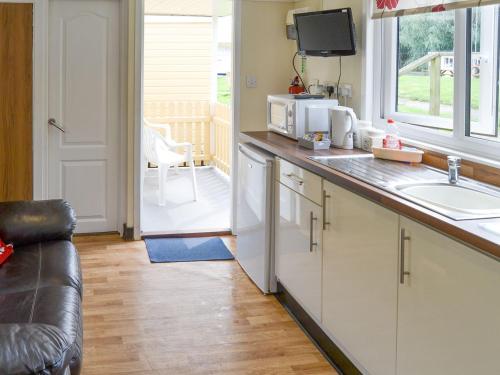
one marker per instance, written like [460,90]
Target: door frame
[235,135]
[138,164]
[41,102]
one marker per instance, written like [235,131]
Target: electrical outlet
[346,90]
[251,82]
[330,89]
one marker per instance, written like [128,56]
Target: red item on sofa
[5,251]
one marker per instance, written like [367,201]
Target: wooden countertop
[466,231]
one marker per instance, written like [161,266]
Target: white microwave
[296,117]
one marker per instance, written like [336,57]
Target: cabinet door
[360,264]
[298,249]
[449,307]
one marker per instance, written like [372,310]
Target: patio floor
[181,214]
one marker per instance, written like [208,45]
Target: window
[483,71]
[439,78]
[425,66]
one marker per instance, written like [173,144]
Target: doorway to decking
[187,128]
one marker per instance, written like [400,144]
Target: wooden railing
[222,137]
[438,64]
[433,59]
[204,125]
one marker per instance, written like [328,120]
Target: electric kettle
[343,126]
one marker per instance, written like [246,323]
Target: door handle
[325,197]
[295,178]
[312,219]
[53,122]
[402,272]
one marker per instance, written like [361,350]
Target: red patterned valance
[398,8]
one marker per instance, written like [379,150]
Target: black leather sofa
[40,290]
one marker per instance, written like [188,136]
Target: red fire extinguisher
[296,87]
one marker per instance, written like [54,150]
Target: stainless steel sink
[421,184]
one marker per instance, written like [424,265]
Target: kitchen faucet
[454,163]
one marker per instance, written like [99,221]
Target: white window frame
[384,96]
[489,73]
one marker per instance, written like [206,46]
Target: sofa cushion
[57,306]
[41,327]
[32,349]
[53,263]
[28,222]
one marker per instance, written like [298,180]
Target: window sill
[449,151]
[469,148]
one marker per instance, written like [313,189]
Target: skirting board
[327,347]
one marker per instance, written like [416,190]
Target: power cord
[297,72]
[340,76]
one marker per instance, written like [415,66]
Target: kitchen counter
[467,231]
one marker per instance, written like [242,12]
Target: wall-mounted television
[326,33]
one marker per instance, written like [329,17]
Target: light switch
[251,82]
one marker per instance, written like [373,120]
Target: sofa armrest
[26,222]
[33,349]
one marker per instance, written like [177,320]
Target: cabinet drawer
[298,179]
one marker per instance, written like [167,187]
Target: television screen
[326,33]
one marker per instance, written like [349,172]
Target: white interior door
[84,100]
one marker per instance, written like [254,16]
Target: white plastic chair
[162,151]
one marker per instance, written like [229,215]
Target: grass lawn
[223,90]
[418,88]
[421,111]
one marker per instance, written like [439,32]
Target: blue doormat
[165,250]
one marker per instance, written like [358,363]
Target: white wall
[327,68]
[265,54]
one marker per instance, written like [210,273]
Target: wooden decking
[211,212]
[183,318]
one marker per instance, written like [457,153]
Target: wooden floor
[183,318]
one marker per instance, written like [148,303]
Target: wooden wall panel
[16,91]
[177,61]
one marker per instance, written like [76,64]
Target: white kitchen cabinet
[448,308]
[298,248]
[360,270]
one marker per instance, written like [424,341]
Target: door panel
[16,103]
[448,307]
[72,173]
[298,264]
[86,80]
[84,100]
[253,219]
[360,265]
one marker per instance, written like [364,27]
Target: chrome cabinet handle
[325,197]
[295,178]
[312,219]
[53,122]
[402,272]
